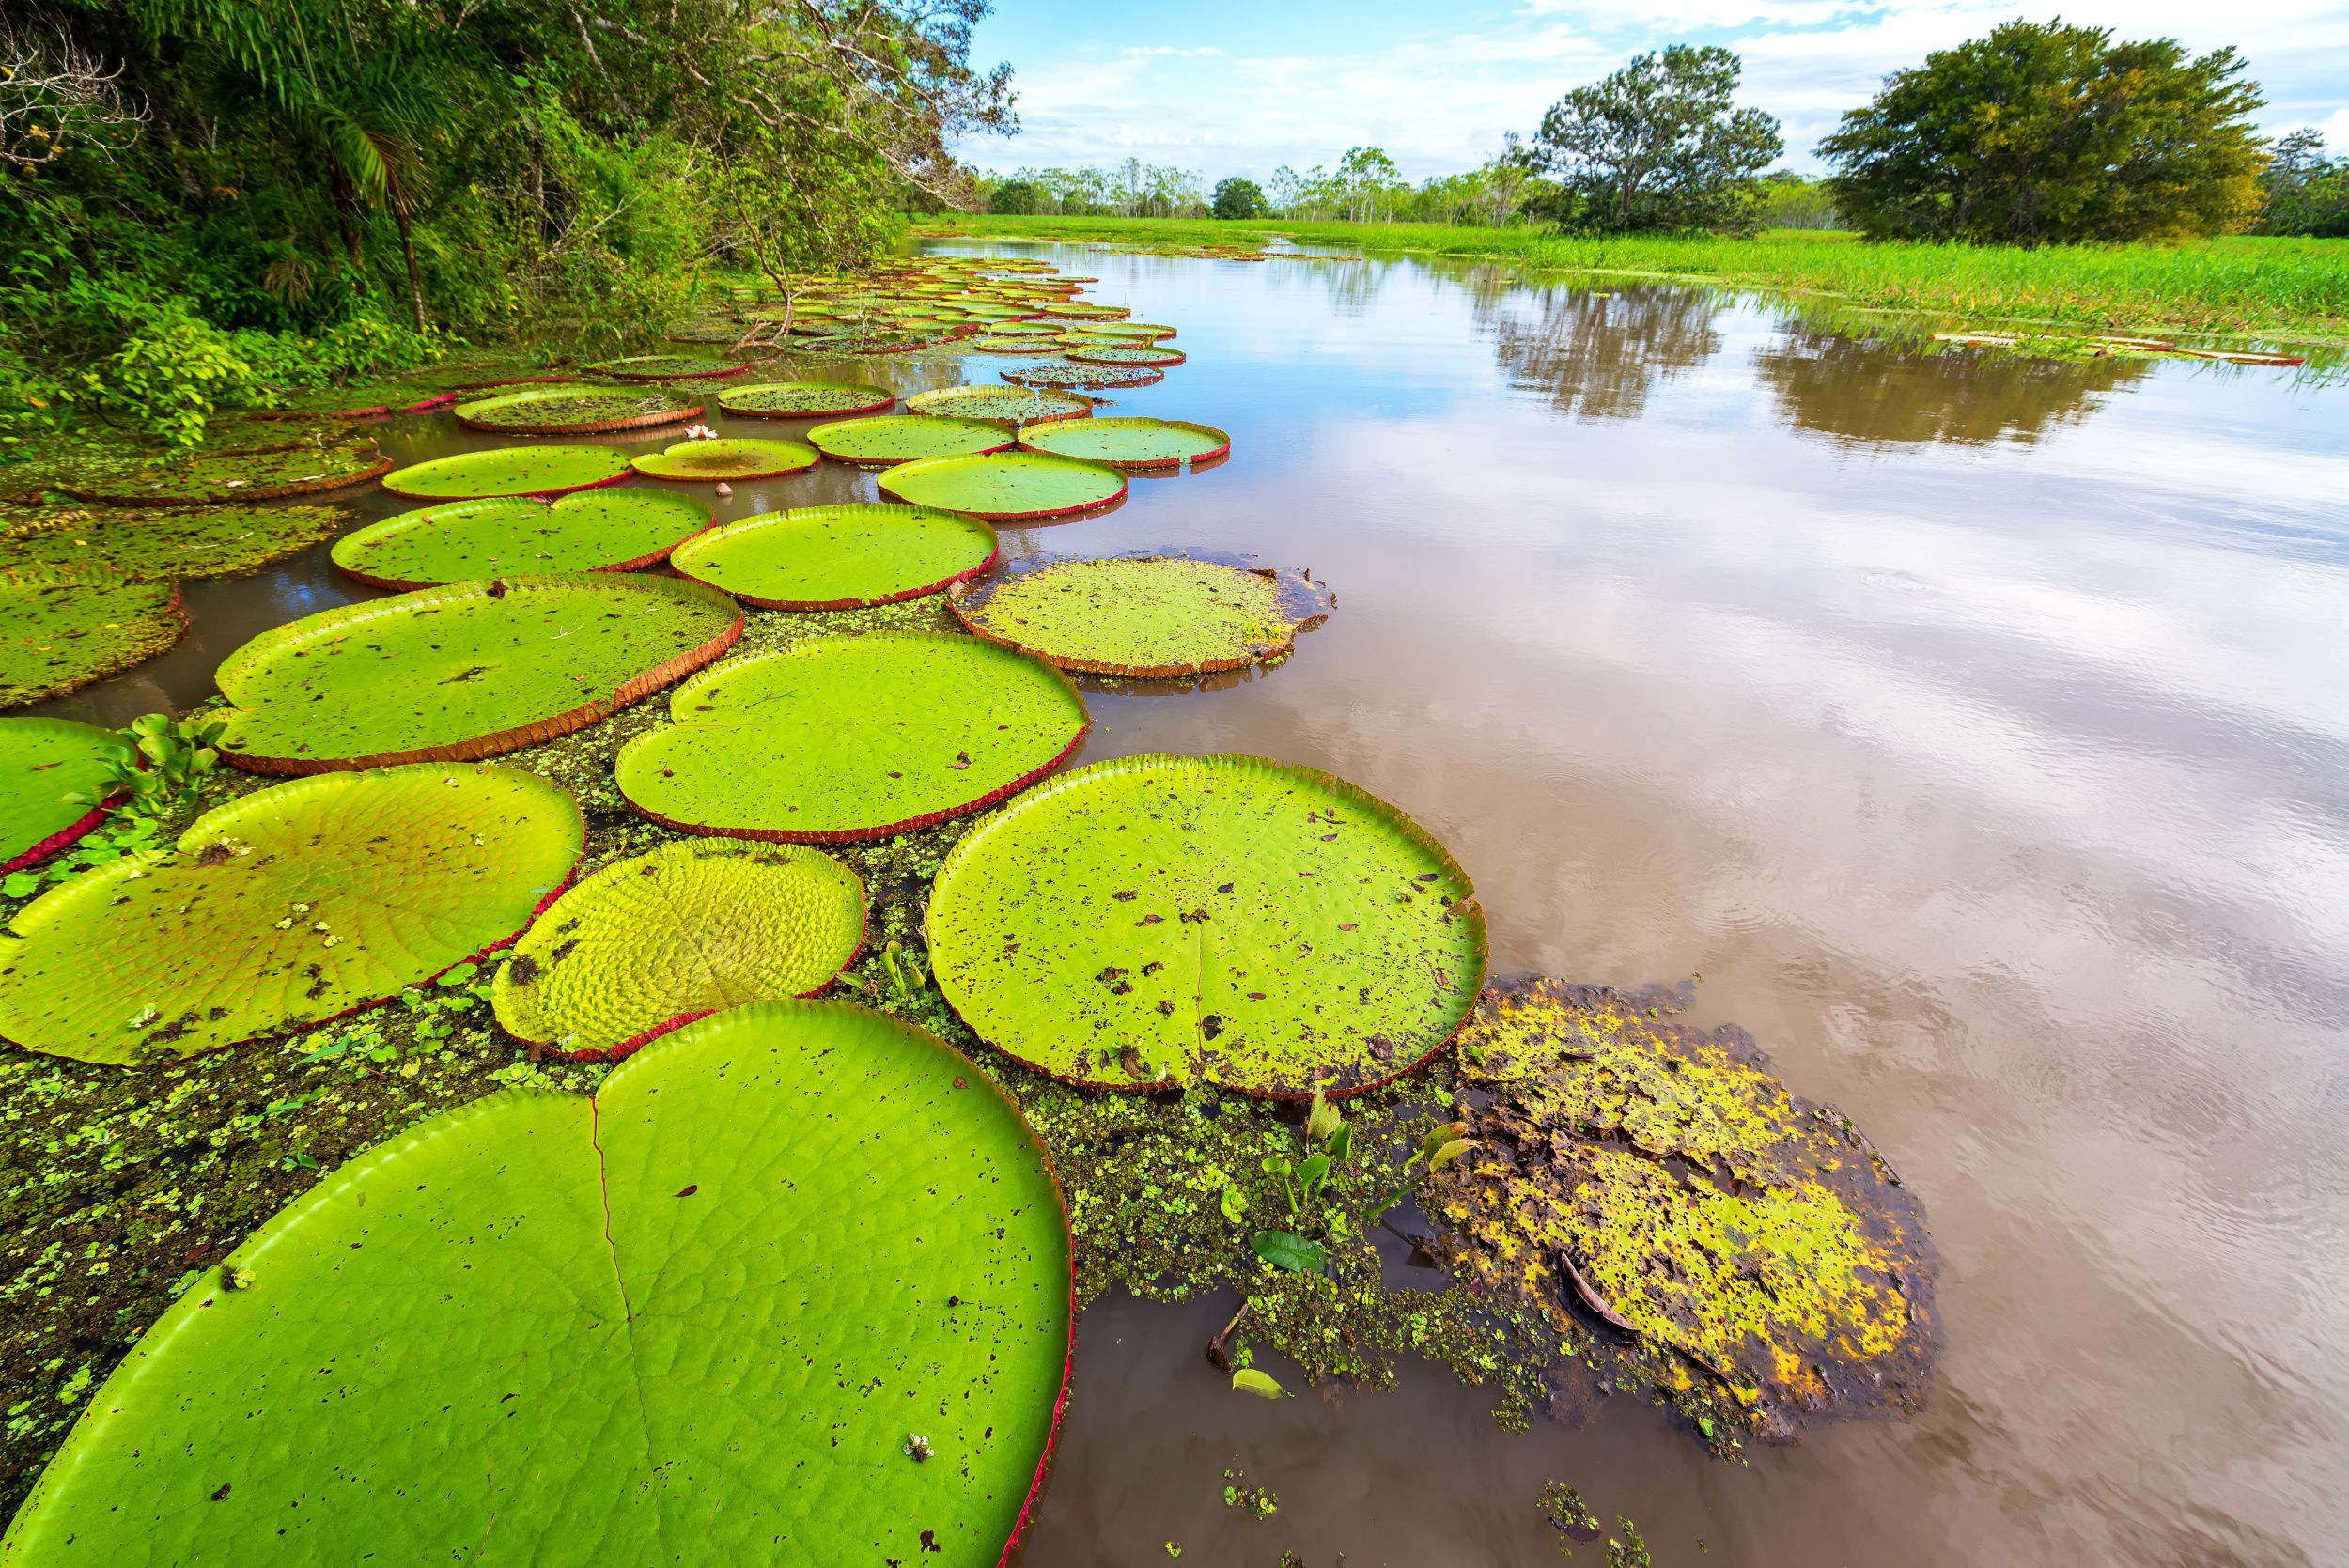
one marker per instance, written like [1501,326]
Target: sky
[1242,86]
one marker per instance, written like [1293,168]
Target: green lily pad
[247,473]
[1006,485]
[1089,377]
[283,907]
[547,471]
[668,367]
[570,408]
[840,557]
[651,943]
[843,739]
[594,531]
[1001,405]
[712,462]
[469,670]
[65,633]
[1220,919]
[42,761]
[1112,353]
[696,1320]
[1130,444]
[167,542]
[1075,310]
[805,399]
[1152,616]
[902,438]
[1025,344]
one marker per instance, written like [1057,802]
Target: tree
[2047,134]
[1366,179]
[1658,145]
[1236,197]
[2302,192]
[1018,197]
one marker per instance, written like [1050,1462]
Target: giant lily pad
[712,462]
[1088,376]
[695,1320]
[902,438]
[653,942]
[852,738]
[1220,919]
[167,542]
[668,367]
[247,473]
[65,634]
[469,670]
[1006,485]
[1014,406]
[547,471]
[840,557]
[286,907]
[1659,1176]
[805,399]
[1130,444]
[1157,615]
[565,408]
[1112,353]
[41,761]
[595,531]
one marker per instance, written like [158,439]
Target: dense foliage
[2304,191]
[1658,145]
[2047,134]
[1238,198]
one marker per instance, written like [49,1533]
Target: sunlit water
[1976,728]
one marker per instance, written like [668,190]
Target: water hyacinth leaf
[1003,405]
[1290,1250]
[62,634]
[1094,376]
[469,670]
[176,542]
[1248,1380]
[650,943]
[605,530]
[902,438]
[573,408]
[1221,919]
[1130,444]
[1152,616]
[805,399]
[542,471]
[840,557]
[668,367]
[712,462]
[246,474]
[843,739]
[42,761]
[1007,485]
[689,1321]
[283,907]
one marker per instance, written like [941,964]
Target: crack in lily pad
[504,471]
[1014,406]
[41,761]
[1154,616]
[712,462]
[567,409]
[844,739]
[1163,920]
[840,557]
[805,399]
[651,943]
[906,437]
[246,473]
[469,670]
[167,542]
[668,367]
[1006,485]
[691,1320]
[289,906]
[1130,443]
[1094,378]
[604,530]
[64,633]
[1660,1176]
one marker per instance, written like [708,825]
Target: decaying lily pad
[805,399]
[41,761]
[285,907]
[840,557]
[842,738]
[668,367]
[470,669]
[695,1320]
[1149,615]
[653,942]
[603,530]
[903,438]
[712,462]
[1223,918]
[1012,406]
[1659,1176]
[544,471]
[1085,377]
[572,409]
[64,633]
[1007,485]
[246,473]
[166,542]
[1131,443]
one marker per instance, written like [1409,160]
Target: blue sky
[1240,87]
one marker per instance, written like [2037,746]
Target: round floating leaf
[285,907]
[852,738]
[712,462]
[1130,444]
[1009,346]
[1222,919]
[840,557]
[1006,485]
[656,941]
[902,438]
[805,399]
[1111,353]
[596,531]
[169,542]
[64,634]
[510,471]
[696,1319]
[668,367]
[249,473]
[1143,616]
[41,761]
[469,670]
[1095,376]
[573,410]
[1001,405]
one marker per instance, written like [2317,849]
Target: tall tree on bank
[2047,134]
[1658,145]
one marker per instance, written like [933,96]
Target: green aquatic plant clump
[605,530]
[159,544]
[840,557]
[57,776]
[62,634]
[1150,616]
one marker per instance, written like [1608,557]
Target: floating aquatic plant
[1153,615]
[1007,485]
[1130,444]
[840,557]
[63,632]
[805,399]
[246,473]
[57,782]
[604,530]
[158,544]
[1012,406]
[903,438]
[1093,377]
[574,410]
[503,470]
[709,459]
[668,367]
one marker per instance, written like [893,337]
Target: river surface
[1976,728]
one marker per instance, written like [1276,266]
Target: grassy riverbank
[2279,291]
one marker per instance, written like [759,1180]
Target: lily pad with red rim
[1089,377]
[1151,616]
[1006,485]
[840,557]
[605,530]
[668,367]
[1112,353]
[502,471]
[41,761]
[246,474]
[160,542]
[575,409]
[713,463]
[998,404]
[903,438]
[63,632]
[1130,443]
[805,399]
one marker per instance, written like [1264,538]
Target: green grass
[2279,290]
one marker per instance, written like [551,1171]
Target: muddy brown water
[1978,730]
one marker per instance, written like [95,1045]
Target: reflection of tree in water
[1862,390]
[1597,355]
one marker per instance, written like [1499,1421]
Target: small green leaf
[1263,1385]
[1234,1204]
[1324,1119]
[1341,1144]
[1451,1152]
[1290,1250]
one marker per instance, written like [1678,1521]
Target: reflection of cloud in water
[1597,354]
[1869,391]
